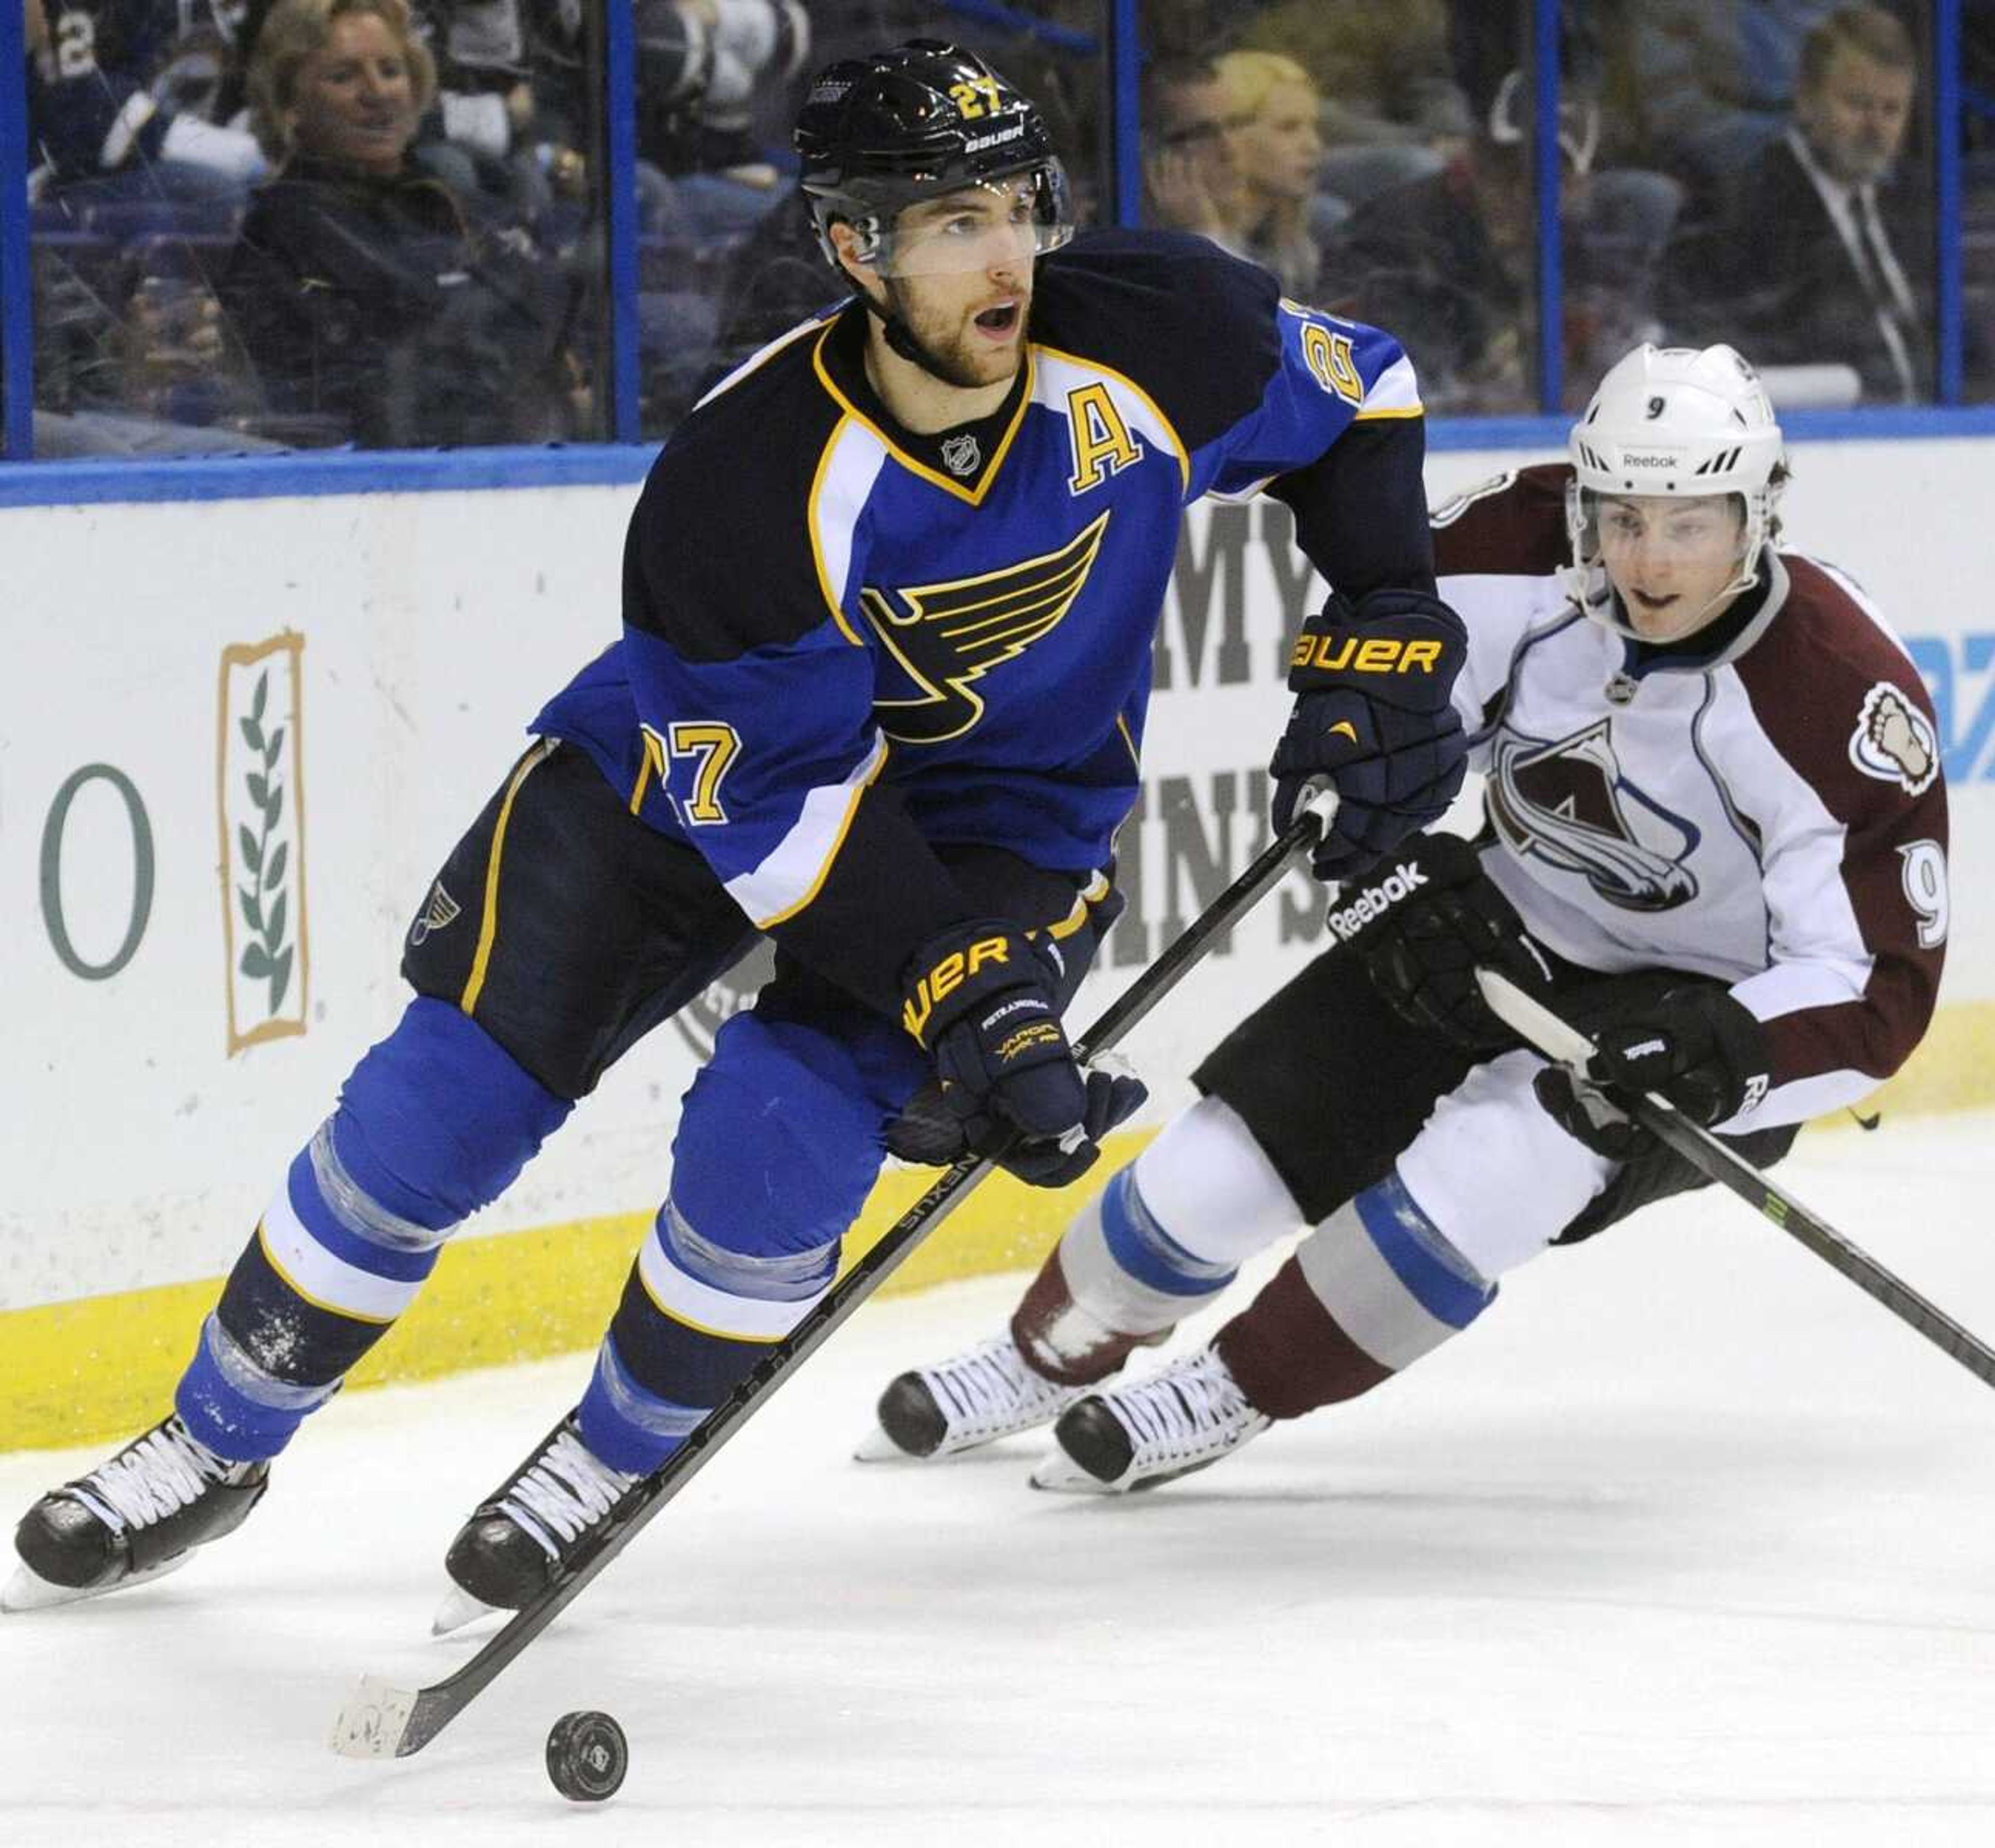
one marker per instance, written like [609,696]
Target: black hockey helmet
[878,134]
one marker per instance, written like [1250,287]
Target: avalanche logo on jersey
[946,636]
[1567,804]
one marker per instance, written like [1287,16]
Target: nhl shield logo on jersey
[1567,804]
[1893,741]
[961,456]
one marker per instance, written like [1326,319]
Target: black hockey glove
[1703,1051]
[981,999]
[1371,715]
[1422,952]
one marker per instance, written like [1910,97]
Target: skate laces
[1184,1406]
[991,1383]
[165,1470]
[567,1488]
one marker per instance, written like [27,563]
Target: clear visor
[1699,552]
[994,225]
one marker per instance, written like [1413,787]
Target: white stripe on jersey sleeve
[1395,393]
[787,879]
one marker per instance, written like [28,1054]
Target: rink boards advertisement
[241,737]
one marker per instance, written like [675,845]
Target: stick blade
[374,1723]
[1539,1025]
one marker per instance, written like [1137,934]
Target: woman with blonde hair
[1279,150]
[377,304]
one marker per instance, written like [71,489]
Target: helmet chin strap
[901,338]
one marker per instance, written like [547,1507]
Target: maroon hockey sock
[1289,1354]
[1061,1341]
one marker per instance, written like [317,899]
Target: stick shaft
[1556,1039]
[434,1707]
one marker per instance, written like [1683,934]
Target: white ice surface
[1688,1541]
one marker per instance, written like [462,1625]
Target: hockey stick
[1558,1040]
[382,1721]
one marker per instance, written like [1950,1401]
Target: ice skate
[518,1540]
[976,1397]
[1186,1417]
[135,1517]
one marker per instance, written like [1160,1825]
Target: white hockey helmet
[1680,421]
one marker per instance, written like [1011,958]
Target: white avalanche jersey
[1772,814]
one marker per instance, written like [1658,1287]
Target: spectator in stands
[1392,111]
[1699,88]
[1192,179]
[1822,252]
[374,304]
[106,123]
[1449,261]
[1278,148]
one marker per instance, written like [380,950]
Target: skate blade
[376,1716]
[1059,1474]
[458,1609]
[28,1590]
[876,1447]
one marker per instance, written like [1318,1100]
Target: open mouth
[999,320]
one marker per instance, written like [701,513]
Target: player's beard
[950,353]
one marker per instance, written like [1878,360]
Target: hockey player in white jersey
[1716,836]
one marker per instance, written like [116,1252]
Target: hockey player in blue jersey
[890,595]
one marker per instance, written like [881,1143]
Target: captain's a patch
[1893,741]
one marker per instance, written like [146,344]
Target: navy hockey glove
[1422,952]
[1703,1051]
[981,999]
[1372,681]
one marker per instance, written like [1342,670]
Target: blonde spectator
[1278,148]
[373,299]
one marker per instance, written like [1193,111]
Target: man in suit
[1822,251]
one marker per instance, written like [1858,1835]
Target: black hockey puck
[587,1756]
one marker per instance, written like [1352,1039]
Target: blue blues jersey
[92,105]
[846,646]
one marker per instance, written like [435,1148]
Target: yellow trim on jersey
[292,1284]
[700,1328]
[824,583]
[1135,756]
[838,842]
[1395,410]
[488,927]
[1170,429]
[1085,900]
[973,496]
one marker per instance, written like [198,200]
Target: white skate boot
[1183,1418]
[973,1398]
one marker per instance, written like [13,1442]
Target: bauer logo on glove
[1343,651]
[948,975]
